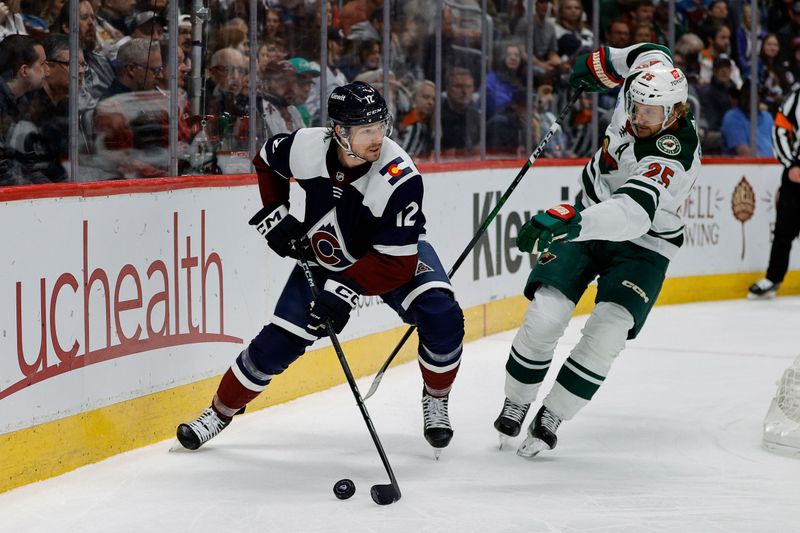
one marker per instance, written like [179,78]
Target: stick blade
[374,386]
[384,494]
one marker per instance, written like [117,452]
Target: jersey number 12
[406,216]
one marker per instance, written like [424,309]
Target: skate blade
[765,296]
[503,439]
[437,452]
[177,447]
[531,447]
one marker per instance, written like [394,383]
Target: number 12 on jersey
[406,216]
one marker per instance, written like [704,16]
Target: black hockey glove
[279,228]
[334,303]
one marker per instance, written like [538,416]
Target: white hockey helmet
[657,85]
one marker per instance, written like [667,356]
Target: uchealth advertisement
[108,298]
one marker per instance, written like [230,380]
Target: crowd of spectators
[123,94]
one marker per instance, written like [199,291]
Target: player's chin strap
[346,146]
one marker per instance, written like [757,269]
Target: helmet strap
[344,143]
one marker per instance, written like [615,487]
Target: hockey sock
[240,385]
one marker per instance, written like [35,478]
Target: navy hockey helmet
[356,104]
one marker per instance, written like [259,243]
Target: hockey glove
[593,72]
[279,228]
[561,222]
[333,304]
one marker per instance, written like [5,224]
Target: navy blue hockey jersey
[362,222]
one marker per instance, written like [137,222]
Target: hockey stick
[481,230]
[381,494]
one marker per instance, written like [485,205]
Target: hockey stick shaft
[349,375]
[481,230]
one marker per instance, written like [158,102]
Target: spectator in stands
[643,33]
[689,47]
[49,114]
[618,34]
[570,20]
[716,15]
[139,69]
[276,111]
[147,25]
[505,131]
[225,72]
[112,19]
[49,11]
[407,53]
[11,22]
[368,30]
[273,49]
[416,134]
[743,48]
[643,13]
[507,76]
[793,67]
[305,73]
[131,122]
[718,42]
[545,60]
[736,127]
[274,28]
[232,37]
[772,73]
[715,101]
[335,77]
[460,118]
[356,11]
[22,71]
[790,30]
[661,24]
[99,72]
[185,34]
[543,118]
[368,57]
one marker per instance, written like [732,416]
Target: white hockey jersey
[633,188]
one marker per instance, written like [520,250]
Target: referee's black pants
[787,228]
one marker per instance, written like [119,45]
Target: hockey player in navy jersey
[364,227]
[623,230]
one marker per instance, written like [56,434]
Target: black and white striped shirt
[785,137]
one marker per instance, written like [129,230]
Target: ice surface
[670,443]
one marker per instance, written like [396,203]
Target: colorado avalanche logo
[328,245]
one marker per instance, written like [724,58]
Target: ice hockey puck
[344,488]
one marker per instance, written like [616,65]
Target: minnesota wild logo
[669,145]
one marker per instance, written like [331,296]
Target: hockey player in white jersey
[623,230]
[363,223]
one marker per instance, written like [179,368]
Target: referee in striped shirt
[786,142]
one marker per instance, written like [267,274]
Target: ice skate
[436,422]
[207,426]
[509,421]
[541,434]
[763,289]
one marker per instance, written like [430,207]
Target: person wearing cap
[715,100]
[147,25]
[305,73]
[277,114]
[185,33]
